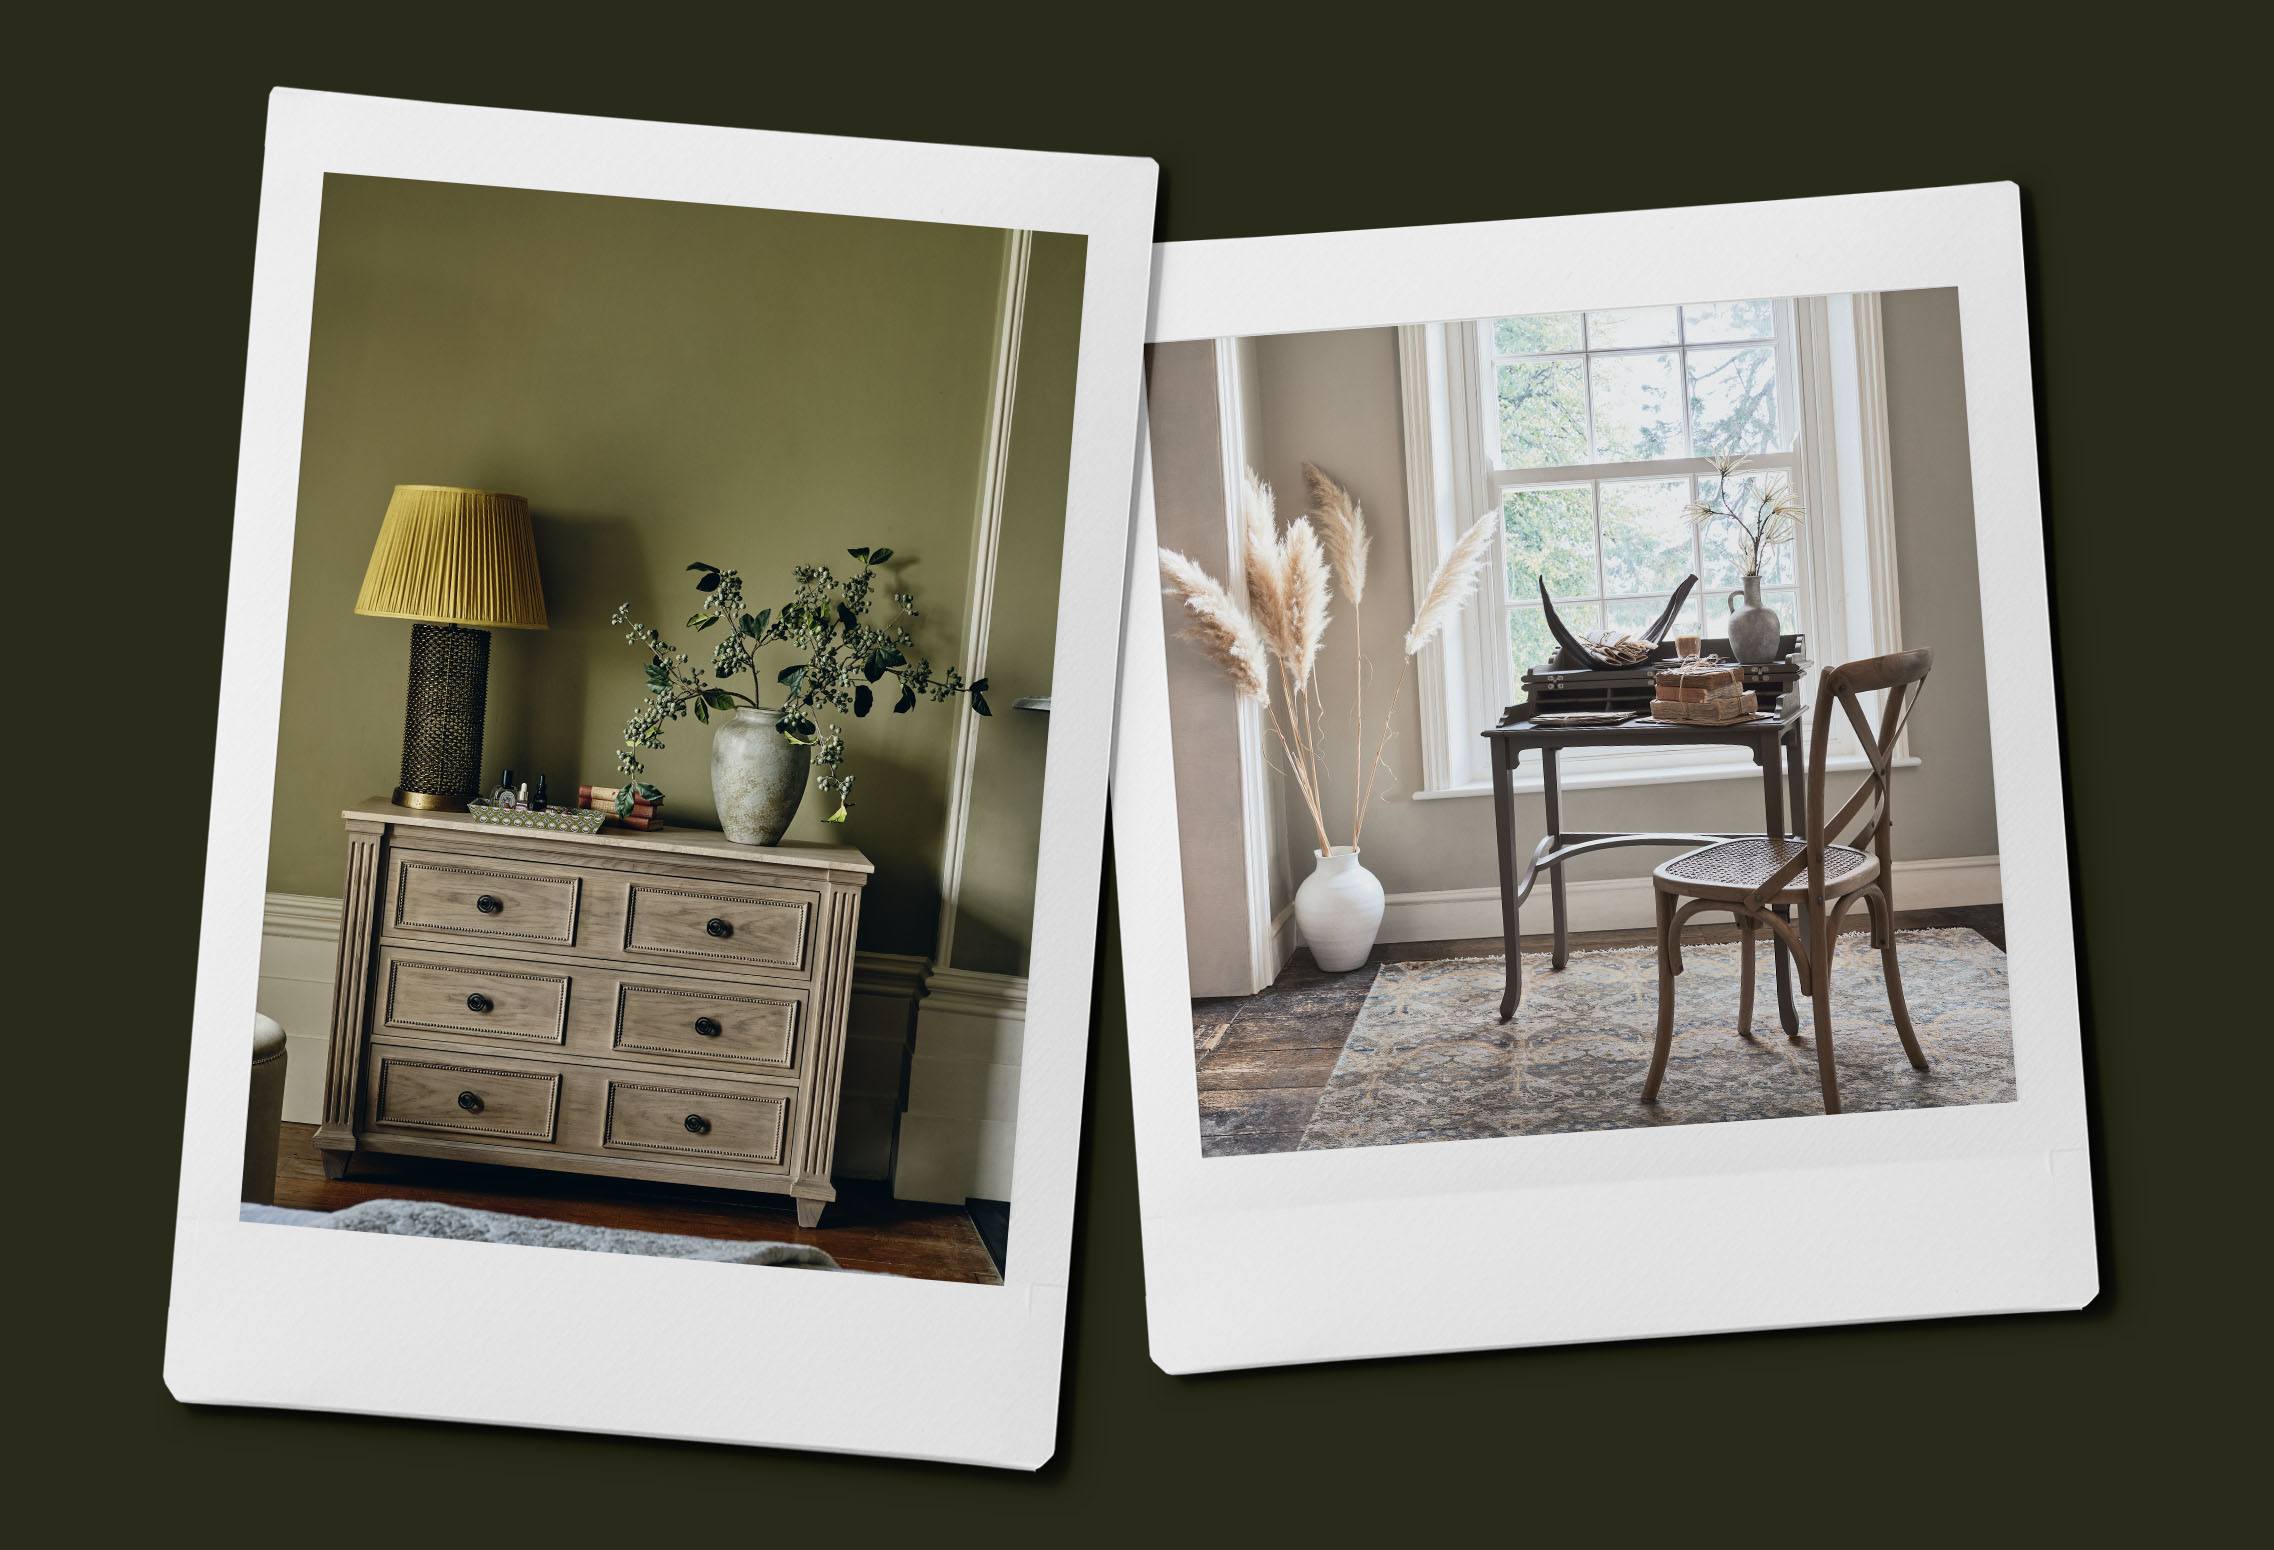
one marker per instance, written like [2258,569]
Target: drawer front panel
[670,1119]
[755,928]
[429,995]
[426,1092]
[738,1027]
[502,903]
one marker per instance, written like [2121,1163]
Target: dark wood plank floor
[865,1229]
[1264,1059]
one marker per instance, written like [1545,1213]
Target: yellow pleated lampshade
[452,556]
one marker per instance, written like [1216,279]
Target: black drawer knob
[471,1102]
[477,1002]
[488,904]
[697,1125]
[708,1027]
[719,928]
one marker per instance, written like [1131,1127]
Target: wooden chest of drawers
[663,1005]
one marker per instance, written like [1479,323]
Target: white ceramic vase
[1339,908]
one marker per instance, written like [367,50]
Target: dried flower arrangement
[1281,626]
[1772,516]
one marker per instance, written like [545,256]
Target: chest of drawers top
[674,898]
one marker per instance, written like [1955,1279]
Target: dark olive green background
[138,155]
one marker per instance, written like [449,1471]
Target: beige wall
[665,382]
[1333,398]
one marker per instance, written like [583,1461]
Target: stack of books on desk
[1708,695]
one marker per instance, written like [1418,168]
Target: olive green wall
[995,902]
[665,383]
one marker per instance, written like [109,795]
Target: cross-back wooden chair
[1800,886]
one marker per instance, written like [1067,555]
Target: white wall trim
[299,959]
[986,539]
[1256,818]
[1625,903]
[958,1133]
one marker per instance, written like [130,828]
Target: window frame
[1832,417]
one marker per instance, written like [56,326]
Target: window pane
[1541,333]
[1631,326]
[1733,400]
[1550,532]
[1725,545]
[1529,643]
[1719,320]
[1543,414]
[1646,542]
[1638,411]
[1635,614]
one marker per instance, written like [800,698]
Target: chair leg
[1883,926]
[1745,978]
[1665,1045]
[1827,1071]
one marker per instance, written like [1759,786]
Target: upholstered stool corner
[264,1112]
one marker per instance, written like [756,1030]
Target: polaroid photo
[1588,804]
[623,1027]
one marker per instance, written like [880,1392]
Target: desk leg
[1504,828]
[1553,795]
[1772,799]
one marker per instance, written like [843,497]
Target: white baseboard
[1624,903]
[963,1089]
[299,953]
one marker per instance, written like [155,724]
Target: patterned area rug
[1430,1060]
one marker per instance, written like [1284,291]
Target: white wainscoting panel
[1624,903]
[963,1089]
[300,948]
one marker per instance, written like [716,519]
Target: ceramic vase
[1339,908]
[1754,632]
[757,777]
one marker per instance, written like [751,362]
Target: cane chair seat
[1732,869]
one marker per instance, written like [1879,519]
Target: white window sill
[1580,778]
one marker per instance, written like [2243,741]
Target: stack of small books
[1710,694]
[642,815]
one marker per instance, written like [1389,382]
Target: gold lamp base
[428,802]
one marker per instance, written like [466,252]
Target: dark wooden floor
[866,1229]
[1264,1059]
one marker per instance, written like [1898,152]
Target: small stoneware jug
[1754,632]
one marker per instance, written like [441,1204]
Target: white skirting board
[963,1089]
[1624,903]
[961,1146]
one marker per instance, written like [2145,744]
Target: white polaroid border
[1465,1245]
[265,1315]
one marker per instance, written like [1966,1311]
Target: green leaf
[719,699]
[847,617]
[695,621]
[648,794]
[746,626]
[793,676]
[708,581]
[863,698]
[623,801]
[873,668]
[699,565]
[979,704]
[702,714]
[879,556]
[858,554]
[907,701]
[759,626]
[894,658]
[978,685]
[837,816]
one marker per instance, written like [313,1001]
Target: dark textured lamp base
[442,717]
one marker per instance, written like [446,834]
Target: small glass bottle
[502,796]
[537,800]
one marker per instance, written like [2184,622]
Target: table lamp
[460,563]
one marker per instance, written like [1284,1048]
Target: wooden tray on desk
[1552,687]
